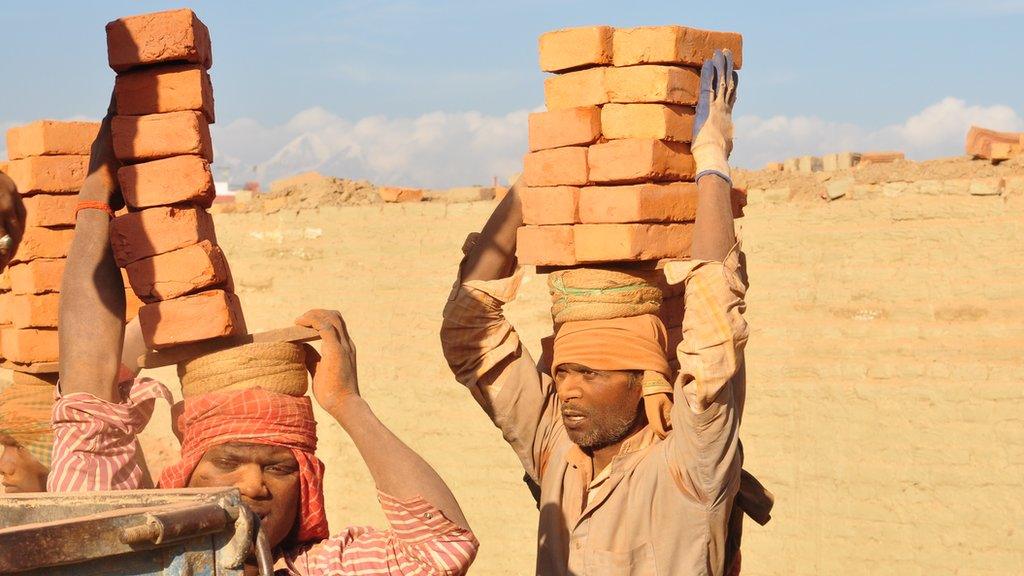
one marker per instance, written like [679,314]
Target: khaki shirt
[665,505]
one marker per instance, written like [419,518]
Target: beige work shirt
[665,506]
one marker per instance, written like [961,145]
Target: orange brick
[38,276]
[880,157]
[5,167]
[49,174]
[132,305]
[570,48]
[178,272]
[210,314]
[545,245]
[35,311]
[576,89]
[29,379]
[672,45]
[637,160]
[171,36]
[672,202]
[141,138]
[393,194]
[5,280]
[651,83]
[657,121]
[30,346]
[570,127]
[50,210]
[168,88]
[980,141]
[50,137]
[631,242]
[550,205]
[153,231]
[168,181]
[6,310]
[44,243]
[556,167]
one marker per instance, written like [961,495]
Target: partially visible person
[25,436]
[12,219]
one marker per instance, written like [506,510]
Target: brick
[38,276]
[168,88]
[652,83]
[6,310]
[576,89]
[50,138]
[132,305]
[168,181]
[29,379]
[30,346]
[657,121]
[556,167]
[880,157]
[1005,150]
[637,160]
[631,242]
[672,45]
[571,48]
[50,210]
[35,311]
[210,314]
[5,280]
[546,245]
[141,138]
[672,202]
[980,140]
[153,231]
[178,272]
[550,205]
[171,36]
[569,127]
[44,243]
[394,194]
[49,174]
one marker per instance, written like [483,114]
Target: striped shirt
[95,449]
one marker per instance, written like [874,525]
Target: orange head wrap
[631,343]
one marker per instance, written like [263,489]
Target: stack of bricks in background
[166,243]
[48,162]
[609,176]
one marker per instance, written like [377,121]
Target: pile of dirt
[309,190]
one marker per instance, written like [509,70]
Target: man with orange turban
[246,423]
[25,434]
[614,497]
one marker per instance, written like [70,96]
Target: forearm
[494,254]
[714,234]
[396,469]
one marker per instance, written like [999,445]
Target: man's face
[267,477]
[599,407]
[19,470]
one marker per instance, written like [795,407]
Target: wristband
[93,205]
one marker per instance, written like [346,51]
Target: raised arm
[493,255]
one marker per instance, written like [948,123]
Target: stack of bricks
[166,242]
[48,161]
[609,176]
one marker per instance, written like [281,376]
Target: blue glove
[712,126]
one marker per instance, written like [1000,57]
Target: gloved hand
[712,126]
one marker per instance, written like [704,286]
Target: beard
[604,427]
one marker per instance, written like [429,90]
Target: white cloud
[938,130]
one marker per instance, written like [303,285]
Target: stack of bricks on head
[166,242]
[48,161]
[609,176]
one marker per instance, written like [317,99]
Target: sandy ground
[885,406]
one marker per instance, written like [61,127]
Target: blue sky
[412,75]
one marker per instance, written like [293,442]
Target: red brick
[570,48]
[546,245]
[178,272]
[50,210]
[153,231]
[6,310]
[631,242]
[132,305]
[169,88]
[5,280]
[569,127]
[30,346]
[168,181]
[980,141]
[49,174]
[556,167]
[657,121]
[50,137]
[671,202]
[38,276]
[141,138]
[880,158]
[672,45]
[550,205]
[576,89]
[639,160]
[394,194]
[210,314]
[35,311]
[44,243]
[652,83]
[171,36]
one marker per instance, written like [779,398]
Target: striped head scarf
[25,417]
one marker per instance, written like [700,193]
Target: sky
[437,93]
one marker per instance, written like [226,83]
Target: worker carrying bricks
[622,489]
[246,421]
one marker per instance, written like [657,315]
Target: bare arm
[494,255]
